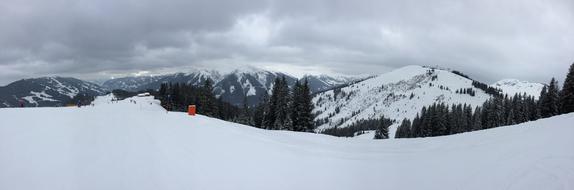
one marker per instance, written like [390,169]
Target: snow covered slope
[46,91]
[248,81]
[139,146]
[325,82]
[397,95]
[513,86]
[131,83]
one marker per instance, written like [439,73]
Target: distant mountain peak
[248,69]
[232,86]
[398,94]
[515,86]
[46,91]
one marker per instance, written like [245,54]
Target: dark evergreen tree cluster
[176,97]
[549,100]
[122,94]
[302,108]
[468,91]
[487,89]
[404,130]
[567,93]
[440,119]
[500,111]
[437,120]
[461,74]
[276,114]
[286,109]
[81,100]
[246,115]
[380,126]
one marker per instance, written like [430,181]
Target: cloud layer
[489,39]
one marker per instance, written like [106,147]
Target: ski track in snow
[141,146]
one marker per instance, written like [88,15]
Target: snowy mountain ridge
[46,91]
[515,86]
[137,83]
[231,86]
[397,95]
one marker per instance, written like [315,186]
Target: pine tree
[476,120]
[519,108]
[207,101]
[468,118]
[283,120]
[296,107]
[510,119]
[497,112]
[415,127]
[567,94]
[554,96]
[306,117]
[441,112]
[383,131]
[426,123]
[260,112]
[541,99]
[452,120]
[245,117]
[404,130]
[272,105]
[549,103]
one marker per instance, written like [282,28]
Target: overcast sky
[91,39]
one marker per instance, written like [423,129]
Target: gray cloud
[490,40]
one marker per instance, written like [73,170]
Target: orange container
[191,110]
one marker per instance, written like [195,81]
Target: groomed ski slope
[141,146]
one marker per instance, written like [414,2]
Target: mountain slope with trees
[500,110]
[397,95]
[233,87]
[46,92]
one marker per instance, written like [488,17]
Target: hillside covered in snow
[514,86]
[46,91]
[136,144]
[396,95]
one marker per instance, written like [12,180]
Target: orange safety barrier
[191,110]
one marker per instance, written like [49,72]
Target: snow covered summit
[135,144]
[234,86]
[45,91]
[396,95]
[514,86]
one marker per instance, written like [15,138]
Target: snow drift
[135,144]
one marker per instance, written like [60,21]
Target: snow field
[126,145]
